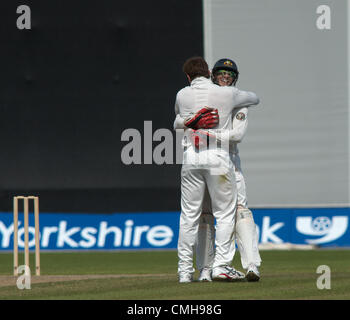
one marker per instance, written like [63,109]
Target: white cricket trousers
[223,193]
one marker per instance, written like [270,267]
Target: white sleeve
[179,122]
[245,99]
[239,125]
[177,109]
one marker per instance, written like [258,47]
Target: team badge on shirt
[240,116]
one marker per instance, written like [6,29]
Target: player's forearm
[179,122]
[246,99]
[234,135]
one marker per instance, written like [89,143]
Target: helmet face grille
[231,73]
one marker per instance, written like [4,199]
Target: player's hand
[206,118]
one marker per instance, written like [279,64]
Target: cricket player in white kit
[225,73]
[198,174]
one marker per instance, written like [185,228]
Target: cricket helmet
[225,64]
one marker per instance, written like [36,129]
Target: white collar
[199,80]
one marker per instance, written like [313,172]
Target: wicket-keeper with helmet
[225,73]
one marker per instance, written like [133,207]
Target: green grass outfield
[152,275]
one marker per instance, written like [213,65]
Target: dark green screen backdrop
[86,71]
